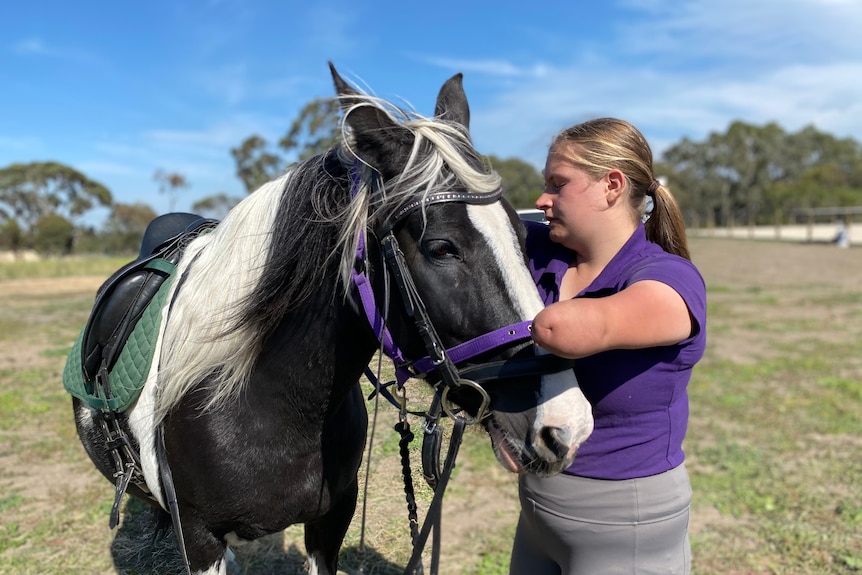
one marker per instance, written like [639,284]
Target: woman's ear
[616,184]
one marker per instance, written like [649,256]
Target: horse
[251,418]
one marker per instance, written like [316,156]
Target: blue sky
[119,90]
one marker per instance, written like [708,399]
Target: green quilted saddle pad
[129,373]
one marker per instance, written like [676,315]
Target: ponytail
[665,225]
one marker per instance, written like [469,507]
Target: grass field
[773,446]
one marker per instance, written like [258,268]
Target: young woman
[626,302]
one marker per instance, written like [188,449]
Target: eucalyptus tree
[32,191]
[170,183]
[255,163]
[748,173]
[522,182]
[126,225]
[216,206]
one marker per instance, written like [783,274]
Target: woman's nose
[543,202]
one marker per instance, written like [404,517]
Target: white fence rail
[811,233]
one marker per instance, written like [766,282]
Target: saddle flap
[118,309]
[122,299]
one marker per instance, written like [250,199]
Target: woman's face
[571,200]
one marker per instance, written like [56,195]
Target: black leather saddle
[122,299]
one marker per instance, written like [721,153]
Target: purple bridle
[438,358]
[406,369]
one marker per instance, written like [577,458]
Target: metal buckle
[456,412]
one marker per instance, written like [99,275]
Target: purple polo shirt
[639,397]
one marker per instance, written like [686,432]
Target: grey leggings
[577,526]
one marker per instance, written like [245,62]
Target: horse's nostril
[557,440]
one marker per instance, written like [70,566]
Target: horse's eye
[440,249]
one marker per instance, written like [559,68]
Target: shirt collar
[549,258]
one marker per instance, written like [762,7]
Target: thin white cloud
[30,46]
[229,83]
[217,138]
[488,67]
[693,66]
[35,46]
[670,105]
[761,31]
[23,144]
[331,31]
[98,168]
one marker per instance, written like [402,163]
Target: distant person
[625,301]
[842,236]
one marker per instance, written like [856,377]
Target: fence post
[778,219]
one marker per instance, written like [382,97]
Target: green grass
[773,452]
[61,267]
[775,430]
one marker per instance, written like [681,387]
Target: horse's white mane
[217,272]
[221,269]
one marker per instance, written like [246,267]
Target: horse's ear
[452,102]
[342,88]
[379,140]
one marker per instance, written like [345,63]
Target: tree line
[753,175]
[747,175]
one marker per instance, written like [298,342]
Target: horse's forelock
[440,158]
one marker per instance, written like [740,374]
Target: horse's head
[463,260]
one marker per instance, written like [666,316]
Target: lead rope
[377,389]
[376,382]
[403,428]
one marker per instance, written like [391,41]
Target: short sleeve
[683,277]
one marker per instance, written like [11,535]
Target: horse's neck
[322,350]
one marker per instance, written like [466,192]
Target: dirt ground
[743,262]
[723,263]
[730,265]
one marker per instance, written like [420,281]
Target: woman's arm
[647,313]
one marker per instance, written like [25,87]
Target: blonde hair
[604,144]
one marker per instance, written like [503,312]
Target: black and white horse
[254,388]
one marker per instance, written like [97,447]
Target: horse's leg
[207,553]
[344,441]
[323,536]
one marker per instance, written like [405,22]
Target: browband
[438,198]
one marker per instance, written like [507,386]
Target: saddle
[109,362]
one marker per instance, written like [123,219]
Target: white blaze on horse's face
[561,404]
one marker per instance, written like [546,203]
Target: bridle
[440,361]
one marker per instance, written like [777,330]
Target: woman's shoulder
[654,260]
[677,272]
